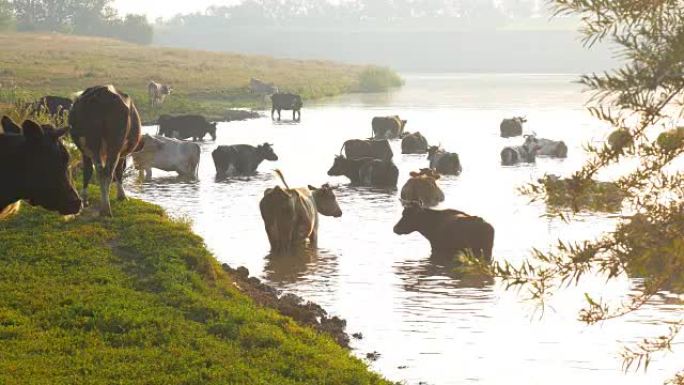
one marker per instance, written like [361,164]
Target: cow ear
[32,131]
[414,174]
[312,188]
[9,127]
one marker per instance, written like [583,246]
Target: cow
[55,106]
[388,127]
[422,187]
[241,159]
[287,102]
[513,155]
[168,155]
[369,148]
[445,163]
[105,126]
[291,214]
[158,93]
[546,147]
[414,144]
[448,231]
[366,171]
[186,127]
[512,127]
[34,166]
[257,86]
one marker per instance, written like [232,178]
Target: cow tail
[342,149]
[282,178]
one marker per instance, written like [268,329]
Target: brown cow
[422,187]
[291,215]
[158,93]
[105,126]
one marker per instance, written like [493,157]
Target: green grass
[138,299]
[204,82]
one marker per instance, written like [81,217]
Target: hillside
[138,299]
[204,82]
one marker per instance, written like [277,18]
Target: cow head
[532,144]
[326,201]
[411,218]
[212,130]
[45,179]
[266,151]
[166,89]
[520,119]
[403,124]
[433,151]
[339,167]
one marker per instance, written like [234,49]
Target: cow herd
[105,127]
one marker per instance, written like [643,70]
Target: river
[430,325]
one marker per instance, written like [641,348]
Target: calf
[158,93]
[366,171]
[291,215]
[186,126]
[105,126]
[422,187]
[449,231]
[168,155]
[445,163]
[388,127]
[34,166]
[414,144]
[377,149]
[512,127]
[241,159]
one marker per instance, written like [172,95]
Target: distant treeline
[408,35]
[81,17]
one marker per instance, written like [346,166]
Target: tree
[642,100]
[5,15]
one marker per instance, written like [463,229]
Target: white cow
[169,155]
[158,92]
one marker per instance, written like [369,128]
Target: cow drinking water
[168,155]
[241,159]
[448,231]
[291,214]
[34,166]
[105,126]
[547,147]
[366,171]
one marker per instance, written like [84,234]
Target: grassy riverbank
[204,82]
[139,299]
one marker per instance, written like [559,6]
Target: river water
[430,325]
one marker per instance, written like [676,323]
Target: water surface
[430,325]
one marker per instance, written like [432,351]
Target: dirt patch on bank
[302,311]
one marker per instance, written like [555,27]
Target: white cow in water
[158,93]
[169,155]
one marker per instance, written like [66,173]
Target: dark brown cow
[422,187]
[388,127]
[449,231]
[34,166]
[369,148]
[512,127]
[414,144]
[291,215]
[105,126]
[366,171]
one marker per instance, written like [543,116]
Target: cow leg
[278,114]
[105,175]
[87,174]
[294,115]
[148,174]
[272,112]
[119,176]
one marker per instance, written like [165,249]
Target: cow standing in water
[388,127]
[105,126]
[169,155]
[241,159]
[414,143]
[449,231]
[291,214]
[369,148]
[34,166]
[366,171]
[186,127]
[512,127]
[158,93]
[287,102]
[422,187]
[445,163]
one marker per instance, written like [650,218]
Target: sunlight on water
[429,325]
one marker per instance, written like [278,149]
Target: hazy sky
[166,8]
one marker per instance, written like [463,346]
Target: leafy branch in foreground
[643,101]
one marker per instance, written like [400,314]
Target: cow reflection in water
[437,273]
[293,267]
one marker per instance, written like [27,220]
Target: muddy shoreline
[304,312]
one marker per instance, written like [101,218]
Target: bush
[377,79]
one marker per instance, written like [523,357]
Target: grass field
[139,300]
[34,65]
